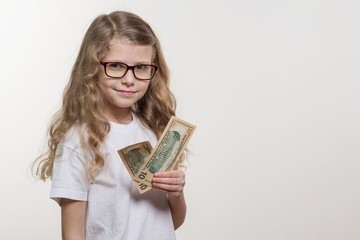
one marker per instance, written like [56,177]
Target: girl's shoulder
[72,138]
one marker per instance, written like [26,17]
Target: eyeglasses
[119,70]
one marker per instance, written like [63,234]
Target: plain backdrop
[273,87]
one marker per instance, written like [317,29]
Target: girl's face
[121,94]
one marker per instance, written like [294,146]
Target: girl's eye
[116,66]
[141,67]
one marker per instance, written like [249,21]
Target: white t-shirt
[115,208]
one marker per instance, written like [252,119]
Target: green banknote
[168,150]
[142,161]
[134,157]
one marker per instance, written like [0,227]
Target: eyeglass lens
[141,71]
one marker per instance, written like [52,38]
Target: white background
[273,86]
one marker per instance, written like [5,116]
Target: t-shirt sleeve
[69,178]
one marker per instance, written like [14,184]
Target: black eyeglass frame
[130,67]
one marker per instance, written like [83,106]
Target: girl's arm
[173,182]
[73,215]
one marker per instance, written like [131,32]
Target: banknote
[141,161]
[167,152]
[133,157]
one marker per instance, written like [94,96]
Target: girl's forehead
[124,49]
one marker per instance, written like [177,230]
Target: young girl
[118,95]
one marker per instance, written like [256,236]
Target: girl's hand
[172,182]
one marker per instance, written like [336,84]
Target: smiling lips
[126,92]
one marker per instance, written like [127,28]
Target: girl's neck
[122,117]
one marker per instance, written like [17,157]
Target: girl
[118,95]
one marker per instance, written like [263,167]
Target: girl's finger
[168,188]
[173,173]
[170,181]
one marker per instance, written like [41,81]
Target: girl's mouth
[126,92]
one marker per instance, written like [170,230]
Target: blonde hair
[83,100]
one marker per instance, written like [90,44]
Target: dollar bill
[141,161]
[167,152]
[134,157]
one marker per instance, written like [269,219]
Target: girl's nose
[128,78]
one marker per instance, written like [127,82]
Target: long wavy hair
[83,100]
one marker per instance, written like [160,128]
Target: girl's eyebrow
[136,63]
